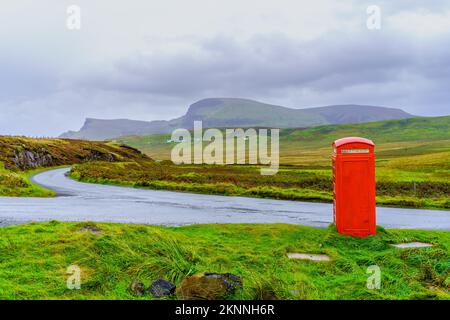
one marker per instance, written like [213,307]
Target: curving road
[90,202]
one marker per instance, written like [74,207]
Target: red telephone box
[354,186]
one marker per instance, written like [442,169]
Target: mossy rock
[208,286]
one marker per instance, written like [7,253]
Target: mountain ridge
[237,112]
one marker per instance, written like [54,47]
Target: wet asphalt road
[90,202]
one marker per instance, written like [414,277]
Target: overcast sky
[149,59]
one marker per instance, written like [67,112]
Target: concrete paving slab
[412,245]
[309,256]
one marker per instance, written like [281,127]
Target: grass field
[412,166]
[34,259]
[18,184]
[412,170]
[394,139]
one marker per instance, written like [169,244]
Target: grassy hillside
[21,157]
[216,112]
[18,184]
[34,259]
[405,137]
[409,150]
[413,167]
[412,129]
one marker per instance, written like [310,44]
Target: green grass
[34,259]
[393,138]
[18,184]
[412,165]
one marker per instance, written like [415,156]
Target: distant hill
[99,129]
[234,112]
[417,129]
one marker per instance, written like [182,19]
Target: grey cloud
[267,63]
[21,77]
[51,79]
[409,5]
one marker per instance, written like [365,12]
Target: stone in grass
[232,281]
[208,286]
[309,256]
[162,288]
[89,227]
[137,288]
[412,245]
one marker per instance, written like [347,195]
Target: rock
[91,229]
[266,292]
[26,159]
[95,155]
[232,281]
[208,286]
[162,288]
[137,288]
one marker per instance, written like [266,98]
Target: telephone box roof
[347,140]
